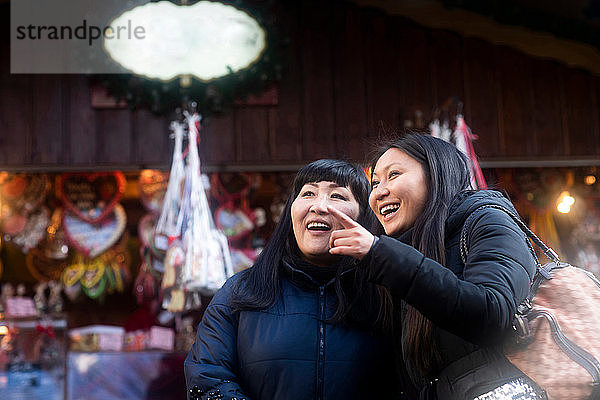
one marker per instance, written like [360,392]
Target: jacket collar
[303,278]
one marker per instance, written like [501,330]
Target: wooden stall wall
[352,74]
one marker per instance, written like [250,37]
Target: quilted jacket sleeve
[477,306]
[210,366]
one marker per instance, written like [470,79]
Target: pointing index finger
[345,220]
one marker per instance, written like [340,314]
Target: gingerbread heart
[94,239]
[42,267]
[146,235]
[14,224]
[91,197]
[153,186]
[233,222]
[24,192]
[146,229]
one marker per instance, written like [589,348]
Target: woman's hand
[353,240]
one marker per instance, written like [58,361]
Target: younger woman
[454,315]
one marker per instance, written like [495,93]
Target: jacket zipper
[321,344]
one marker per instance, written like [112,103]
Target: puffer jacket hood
[468,201]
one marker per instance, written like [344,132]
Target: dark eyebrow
[331,185]
[388,167]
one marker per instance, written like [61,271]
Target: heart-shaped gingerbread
[91,197]
[152,187]
[13,224]
[233,222]
[146,235]
[24,193]
[94,239]
[42,267]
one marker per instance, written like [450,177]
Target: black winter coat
[287,351]
[471,305]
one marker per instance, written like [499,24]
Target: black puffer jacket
[471,305]
[288,351]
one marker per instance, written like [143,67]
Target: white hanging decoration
[207,258]
[440,130]
[167,226]
[435,129]
[445,132]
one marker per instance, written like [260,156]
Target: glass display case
[32,359]
[143,375]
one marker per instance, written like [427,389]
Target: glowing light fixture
[368,171]
[3,330]
[207,40]
[564,202]
[590,180]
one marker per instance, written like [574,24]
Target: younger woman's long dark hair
[259,286]
[447,173]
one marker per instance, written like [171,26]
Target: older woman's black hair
[447,174]
[259,285]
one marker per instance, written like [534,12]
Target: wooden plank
[317,100]
[580,122]
[447,56]
[285,119]
[252,134]
[480,88]
[382,58]
[49,120]
[547,122]
[81,121]
[151,139]
[217,140]
[595,87]
[514,76]
[113,135]
[349,84]
[15,119]
[416,90]
[15,105]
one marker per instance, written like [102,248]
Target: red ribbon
[48,330]
[462,127]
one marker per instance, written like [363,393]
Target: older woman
[301,323]
[454,314]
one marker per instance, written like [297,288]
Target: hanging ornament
[55,246]
[93,239]
[208,261]
[91,197]
[33,231]
[167,227]
[152,186]
[233,216]
[463,139]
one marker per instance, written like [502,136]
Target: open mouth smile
[389,210]
[318,226]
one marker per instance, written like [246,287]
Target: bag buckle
[521,327]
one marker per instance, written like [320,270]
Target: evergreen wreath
[217,95]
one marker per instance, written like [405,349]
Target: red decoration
[91,197]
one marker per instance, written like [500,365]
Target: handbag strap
[551,254]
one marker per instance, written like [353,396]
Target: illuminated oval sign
[207,40]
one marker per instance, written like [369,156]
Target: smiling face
[399,191]
[313,224]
